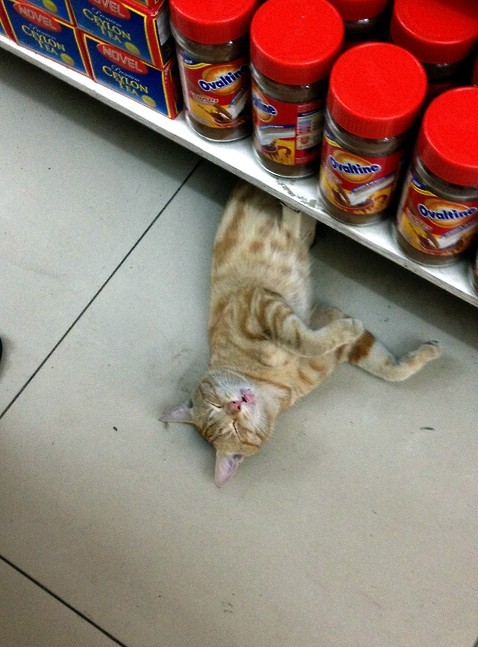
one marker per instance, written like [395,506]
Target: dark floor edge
[98,292]
[63,602]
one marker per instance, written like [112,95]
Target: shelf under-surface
[238,158]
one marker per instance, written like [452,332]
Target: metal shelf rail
[238,158]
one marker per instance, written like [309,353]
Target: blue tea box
[141,31]
[58,8]
[158,89]
[41,32]
[4,26]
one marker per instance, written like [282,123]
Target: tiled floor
[356,526]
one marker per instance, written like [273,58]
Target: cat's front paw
[351,328]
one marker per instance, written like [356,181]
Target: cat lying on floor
[269,345]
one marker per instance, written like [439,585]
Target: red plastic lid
[376,90]
[212,22]
[448,138]
[359,9]
[434,30]
[295,42]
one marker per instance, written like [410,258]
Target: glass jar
[474,73]
[368,130]
[289,82]
[364,20]
[441,35]
[437,218]
[474,272]
[213,56]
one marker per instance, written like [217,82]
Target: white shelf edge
[238,158]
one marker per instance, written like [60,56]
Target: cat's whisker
[216,406]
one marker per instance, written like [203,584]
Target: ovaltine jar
[375,94]
[213,56]
[364,20]
[474,74]
[438,213]
[293,46]
[474,272]
[440,34]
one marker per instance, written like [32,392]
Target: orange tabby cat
[268,345]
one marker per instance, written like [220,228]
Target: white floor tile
[356,525]
[79,184]
[31,617]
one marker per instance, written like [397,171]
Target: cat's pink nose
[247,396]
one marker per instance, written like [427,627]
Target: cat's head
[234,414]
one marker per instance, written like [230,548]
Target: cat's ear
[181,413]
[226,467]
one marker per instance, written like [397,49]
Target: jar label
[216,95]
[434,225]
[287,133]
[356,184]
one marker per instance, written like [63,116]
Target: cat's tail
[368,353]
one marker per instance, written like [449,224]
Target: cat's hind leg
[368,353]
[301,225]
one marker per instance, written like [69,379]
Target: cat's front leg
[275,319]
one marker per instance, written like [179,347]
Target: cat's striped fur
[269,345]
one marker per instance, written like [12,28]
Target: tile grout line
[100,289]
[63,602]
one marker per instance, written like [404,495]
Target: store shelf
[238,158]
